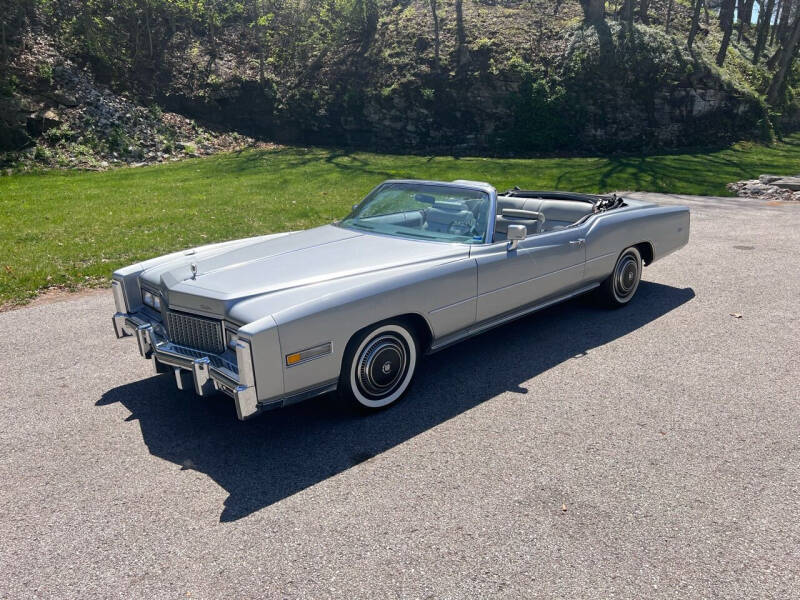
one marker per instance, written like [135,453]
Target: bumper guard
[207,372]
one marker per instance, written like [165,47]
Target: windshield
[440,213]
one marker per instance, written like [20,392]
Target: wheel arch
[415,321]
[646,251]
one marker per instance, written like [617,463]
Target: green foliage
[8,85]
[542,118]
[329,67]
[62,133]
[42,154]
[118,141]
[44,71]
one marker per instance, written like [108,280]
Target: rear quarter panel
[665,228]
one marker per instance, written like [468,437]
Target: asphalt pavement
[647,452]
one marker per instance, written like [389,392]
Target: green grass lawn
[74,228]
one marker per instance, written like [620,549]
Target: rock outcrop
[769,187]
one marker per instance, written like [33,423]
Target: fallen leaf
[9,269]
[736,315]
[563,508]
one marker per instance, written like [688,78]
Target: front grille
[195,332]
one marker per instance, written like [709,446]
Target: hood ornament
[193,269]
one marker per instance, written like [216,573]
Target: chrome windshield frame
[458,184]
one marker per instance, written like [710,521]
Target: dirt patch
[54,294]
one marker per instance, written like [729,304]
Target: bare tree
[784,62]
[461,37]
[668,20]
[726,12]
[764,20]
[436,41]
[627,12]
[594,11]
[782,30]
[644,11]
[775,21]
[745,16]
[698,4]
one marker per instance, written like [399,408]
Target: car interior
[539,212]
[538,215]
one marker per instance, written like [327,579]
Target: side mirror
[516,233]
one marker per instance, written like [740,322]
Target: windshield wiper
[361,225]
[419,235]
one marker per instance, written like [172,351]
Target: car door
[543,266]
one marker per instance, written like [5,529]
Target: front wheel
[618,289]
[379,365]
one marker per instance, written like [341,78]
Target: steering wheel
[460,228]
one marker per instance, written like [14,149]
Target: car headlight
[151,300]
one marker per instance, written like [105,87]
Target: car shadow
[280,453]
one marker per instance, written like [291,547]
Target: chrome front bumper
[208,373]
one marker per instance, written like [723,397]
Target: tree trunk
[745,16]
[149,31]
[594,11]
[462,52]
[370,25]
[5,47]
[775,22]
[726,10]
[698,4]
[668,21]
[627,13]
[764,19]
[644,12]
[785,61]
[435,17]
[783,26]
[461,36]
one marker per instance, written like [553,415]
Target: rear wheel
[622,284]
[379,365]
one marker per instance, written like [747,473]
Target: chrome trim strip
[602,256]
[317,390]
[454,304]
[486,325]
[312,353]
[526,281]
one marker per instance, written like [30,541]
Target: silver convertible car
[416,266]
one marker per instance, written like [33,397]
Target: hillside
[505,77]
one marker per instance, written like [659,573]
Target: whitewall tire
[379,365]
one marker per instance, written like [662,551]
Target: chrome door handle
[578,243]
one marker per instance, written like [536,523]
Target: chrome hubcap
[382,366]
[626,277]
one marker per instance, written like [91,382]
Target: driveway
[652,451]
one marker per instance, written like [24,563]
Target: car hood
[211,282]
